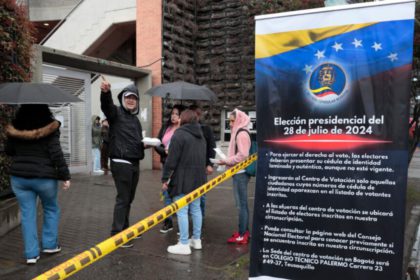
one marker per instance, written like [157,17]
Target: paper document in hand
[220,153]
[151,141]
[214,161]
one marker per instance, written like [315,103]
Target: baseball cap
[128,93]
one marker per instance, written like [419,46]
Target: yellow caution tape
[102,249]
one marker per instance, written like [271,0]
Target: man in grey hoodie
[125,151]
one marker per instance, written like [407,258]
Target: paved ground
[86,218]
[414,170]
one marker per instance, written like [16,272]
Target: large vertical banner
[332,89]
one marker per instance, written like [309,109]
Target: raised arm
[107,104]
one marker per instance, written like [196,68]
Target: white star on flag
[393,57]
[337,46]
[320,54]
[377,46]
[357,43]
[307,69]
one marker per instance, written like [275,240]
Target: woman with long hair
[165,135]
[183,172]
[37,165]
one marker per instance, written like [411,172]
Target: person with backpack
[239,146]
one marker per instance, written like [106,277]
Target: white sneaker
[195,243]
[52,251]
[129,244]
[32,260]
[180,249]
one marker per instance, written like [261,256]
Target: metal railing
[59,23]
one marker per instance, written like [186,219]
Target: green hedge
[15,57]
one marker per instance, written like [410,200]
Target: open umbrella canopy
[183,91]
[34,93]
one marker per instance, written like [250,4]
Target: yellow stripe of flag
[320,89]
[267,45]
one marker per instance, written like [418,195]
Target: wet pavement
[86,217]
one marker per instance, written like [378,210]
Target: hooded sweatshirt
[96,133]
[239,142]
[125,131]
[185,165]
[129,89]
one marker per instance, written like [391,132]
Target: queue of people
[185,152]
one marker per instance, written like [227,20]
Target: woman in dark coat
[183,172]
[37,165]
[165,136]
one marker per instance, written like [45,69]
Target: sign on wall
[332,89]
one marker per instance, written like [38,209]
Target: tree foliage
[15,61]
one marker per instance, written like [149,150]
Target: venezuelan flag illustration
[342,65]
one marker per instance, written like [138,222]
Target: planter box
[9,215]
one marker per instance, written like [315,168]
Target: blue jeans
[96,159]
[183,224]
[167,200]
[203,204]
[27,190]
[240,192]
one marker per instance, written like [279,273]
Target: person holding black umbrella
[126,149]
[37,164]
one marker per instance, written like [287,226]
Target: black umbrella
[183,91]
[34,93]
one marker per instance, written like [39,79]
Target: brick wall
[149,49]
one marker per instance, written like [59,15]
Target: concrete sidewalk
[86,217]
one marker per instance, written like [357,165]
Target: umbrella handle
[166,100]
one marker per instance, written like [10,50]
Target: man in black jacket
[125,149]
